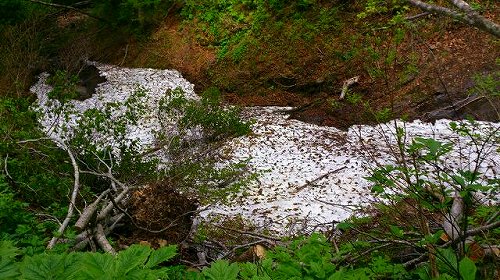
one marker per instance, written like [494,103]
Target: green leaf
[98,266]
[467,269]
[7,250]
[345,226]
[161,255]
[43,266]
[132,258]
[8,269]
[397,231]
[447,260]
[221,270]
[378,189]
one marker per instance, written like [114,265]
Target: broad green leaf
[250,271]
[43,266]
[447,260]
[7,250]
[98,266]
[221,270]
[161,255]
[467,269]
[8,269]
[132,258]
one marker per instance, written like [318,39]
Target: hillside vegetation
[431,221]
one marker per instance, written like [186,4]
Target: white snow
[309,174]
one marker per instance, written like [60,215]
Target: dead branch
[109,207]
[103,242]
[348,83]
[409,18]
[308,183]
[415,261]
[33,140]
[5,167]
[84,238]
[71,207]
[468,233]
[234,249]
[451,224]
[463,13]
[250,233]
[345,206]
[89,211]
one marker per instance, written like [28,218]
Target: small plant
[383,115]
[487,84]
[208,114]
[334,103]
[64,86]
[353,98]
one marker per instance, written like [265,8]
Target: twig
[417,16]
[33,140]
[347,84]
[5,167]
[308,183]
[352,260]
[243,246]
[125,56]
[346,206]
[49,218]
[415,261]
[249,233]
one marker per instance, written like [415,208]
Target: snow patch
[309,175]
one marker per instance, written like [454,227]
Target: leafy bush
[12,11]
[234,26]
[64,86]
[438,193]
[215,120]
[136,262]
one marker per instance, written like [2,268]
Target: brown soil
[161,216]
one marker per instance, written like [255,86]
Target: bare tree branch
[71,207]
[465,14]
[89,211]
[103,241]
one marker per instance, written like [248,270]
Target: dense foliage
[403,238]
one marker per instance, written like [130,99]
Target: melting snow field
[309,175]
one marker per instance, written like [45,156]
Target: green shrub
[216,121]
[136,262]
[64,86]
